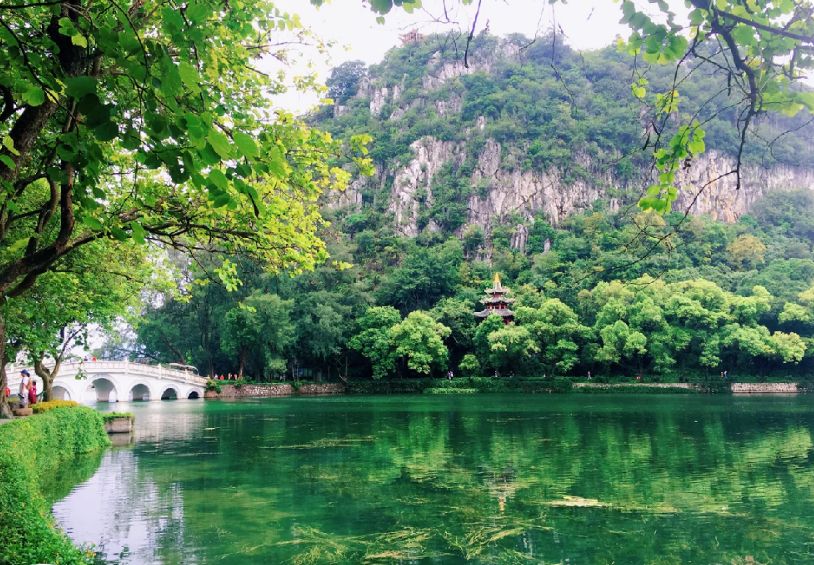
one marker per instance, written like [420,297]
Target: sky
[355,34]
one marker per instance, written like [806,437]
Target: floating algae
[323,443]
[578,502]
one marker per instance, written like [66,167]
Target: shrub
[442,390]
[212,384]
[51,404]
[30,450]
[107,416]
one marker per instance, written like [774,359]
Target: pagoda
[496,302]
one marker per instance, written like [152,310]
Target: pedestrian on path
[25,380]
[32,393]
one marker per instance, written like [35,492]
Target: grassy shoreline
[31,449]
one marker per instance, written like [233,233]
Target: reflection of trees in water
[156,422]
[70,473]
[128,516]
[579,474]
[338,482]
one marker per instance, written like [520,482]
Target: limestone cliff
[435,113]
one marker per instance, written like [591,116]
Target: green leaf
[78,87]
[276,163]
[246,144]
[221,200]
[8,162]
[381,6]
[189,76]
[197,12]
[34,96]
[106,131]
[217,178]
[139,234]
[79,40]
[93,223]
[696,146]
[220,143]
[8,143]
[119,234]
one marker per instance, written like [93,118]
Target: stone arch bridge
[116,381]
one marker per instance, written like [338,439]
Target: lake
[438,479]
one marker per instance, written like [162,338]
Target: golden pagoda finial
[496,281]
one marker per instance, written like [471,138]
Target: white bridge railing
[90,368]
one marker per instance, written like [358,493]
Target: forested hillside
[534,127]
[526,164]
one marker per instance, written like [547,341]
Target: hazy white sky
[587,24]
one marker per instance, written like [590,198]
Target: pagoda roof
[503,312]
[497,286]
[496,300]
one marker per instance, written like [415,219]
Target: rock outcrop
[504,187]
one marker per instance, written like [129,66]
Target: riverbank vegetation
[608,289]
[31,451]
[710,297]
[152,125]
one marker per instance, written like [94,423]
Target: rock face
[707,187]
[412,184]
[503,188]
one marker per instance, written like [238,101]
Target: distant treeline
[603,292]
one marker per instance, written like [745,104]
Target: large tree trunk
[47,376]
[5,411]
[242,363]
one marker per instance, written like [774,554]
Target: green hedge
[31,449]
[108,416]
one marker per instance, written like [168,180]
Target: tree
[420,340]
[374,341]
[150,122]
[321,323]
[258,331]
[469,366]
[456,314]
[510,347]
[83,290]
[344,80]
[558,331]
[426,275]
[746,252]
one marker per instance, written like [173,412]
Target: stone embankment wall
[687,386]
[765,388]
[273,390]
[741,388]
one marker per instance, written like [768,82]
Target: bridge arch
[170,393]
[60,393]
[101,389]
[139,392]
[193,395]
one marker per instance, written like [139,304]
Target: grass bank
[31,450]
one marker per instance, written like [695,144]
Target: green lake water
[483,479]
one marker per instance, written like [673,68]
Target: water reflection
[128,516]
[484,479]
